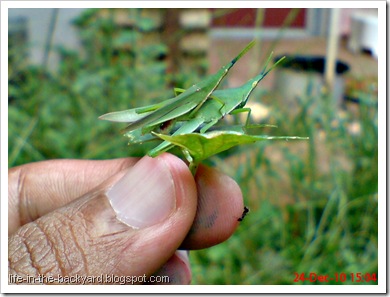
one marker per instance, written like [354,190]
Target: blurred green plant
[314,204]
[118,69]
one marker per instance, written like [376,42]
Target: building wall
[38,24]
[246,17]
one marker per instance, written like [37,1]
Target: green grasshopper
[229,101]
[150,117]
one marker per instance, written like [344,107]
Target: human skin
[124,217]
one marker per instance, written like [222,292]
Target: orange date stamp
[354,277]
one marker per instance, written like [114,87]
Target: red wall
[245,17]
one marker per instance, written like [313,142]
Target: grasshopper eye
[166,125]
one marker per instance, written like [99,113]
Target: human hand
[123,217]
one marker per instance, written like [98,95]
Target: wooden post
[332,48]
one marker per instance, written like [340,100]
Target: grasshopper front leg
[244,109]
[247,124]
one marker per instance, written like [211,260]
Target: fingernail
[145,195]
[183,255]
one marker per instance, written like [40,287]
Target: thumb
[131,225]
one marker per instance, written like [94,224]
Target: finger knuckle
[46,247]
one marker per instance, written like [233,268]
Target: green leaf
[201,146]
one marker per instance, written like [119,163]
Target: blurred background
[313,204]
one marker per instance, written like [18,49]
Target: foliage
[314,204]
[54,115]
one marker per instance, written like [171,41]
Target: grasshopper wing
[133,114]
